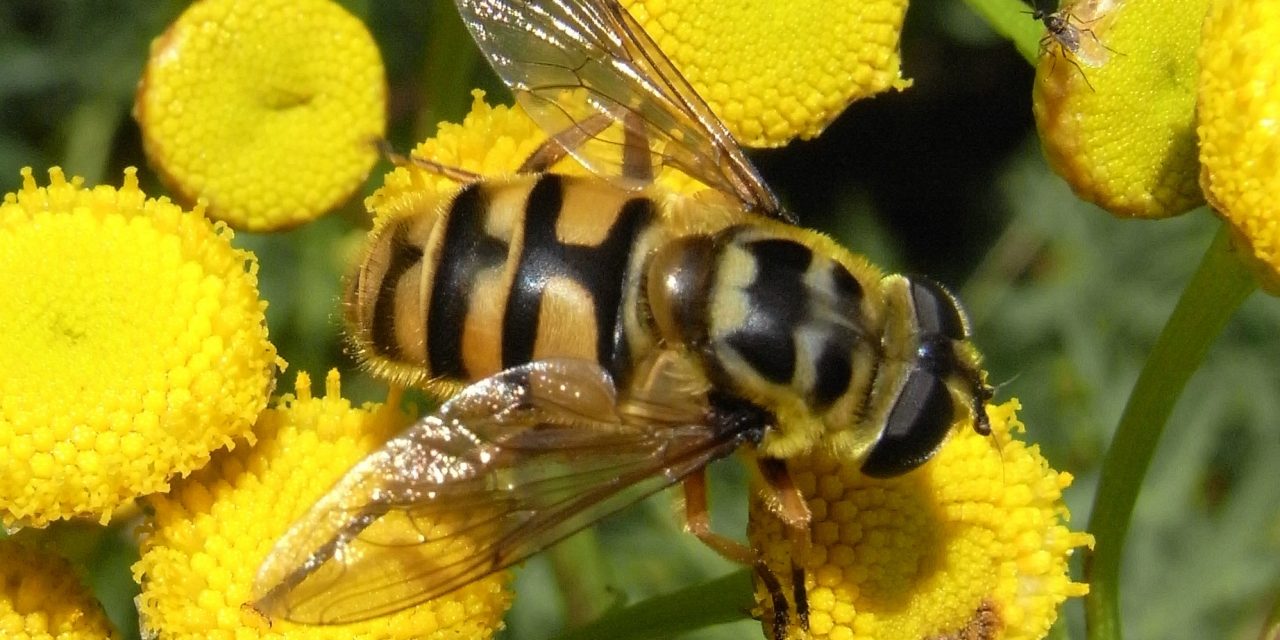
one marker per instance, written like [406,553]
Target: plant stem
[721,600]
[1012,19]
[1221,283]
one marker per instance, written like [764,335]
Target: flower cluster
[137,365]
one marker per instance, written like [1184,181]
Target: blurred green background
[945,178]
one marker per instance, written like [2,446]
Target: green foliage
[1066,301]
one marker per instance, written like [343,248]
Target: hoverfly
[616,337]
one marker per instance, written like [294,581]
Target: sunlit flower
[774,71]
[203,542]
[42,597]
[974,540]
[1239,118]
[268,109]
[133,343]
[1117,120]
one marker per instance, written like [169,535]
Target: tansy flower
[132,341]
[1239,137]
[777,70]
[41,597]
[203,542]
[268,109]
[1117,116]
[973,544]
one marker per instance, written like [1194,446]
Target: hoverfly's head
[931,376]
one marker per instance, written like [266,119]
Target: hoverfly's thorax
[774,320]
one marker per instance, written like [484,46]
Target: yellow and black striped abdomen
[507,272]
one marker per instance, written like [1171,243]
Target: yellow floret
[973,540]
[268,109]
[774,71]
[1239,137]
[42,597]
[1122,133]
[133,343]
[203,543]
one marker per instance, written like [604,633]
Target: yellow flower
[1117,120]
[203,543]
[973,540]
[1239,137]
[42,597]
[132,341]
[269,109]
[777,70]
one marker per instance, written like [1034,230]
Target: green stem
[1012,19]
[721,600]
[583,577]
[1221,283]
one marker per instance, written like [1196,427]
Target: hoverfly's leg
[778,601]
[455,174]
[788,504]
[558,146]
[698,521]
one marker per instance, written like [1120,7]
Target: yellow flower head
[132,341]
[203,543]
[777,70]
[972,541]
[1116,111]
[269,109]
[41,597]
[1239,110]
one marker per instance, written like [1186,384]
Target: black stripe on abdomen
[402,256]
[599,269]
[467,252]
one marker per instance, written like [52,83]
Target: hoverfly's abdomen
[508,272]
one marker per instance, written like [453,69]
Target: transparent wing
[585,69]
[510,465]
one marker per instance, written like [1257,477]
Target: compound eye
[918,423]
[937,311]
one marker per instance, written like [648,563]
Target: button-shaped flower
[270,110]
[1239,127]
[203,542]
[133,343]
[973,544]
[1115,106]
[775,71]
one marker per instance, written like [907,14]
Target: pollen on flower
[973,541]
[775,71]
[42,597]
[1239,136]
[203,542]
[1122,132]
[269,110]
[133,343]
